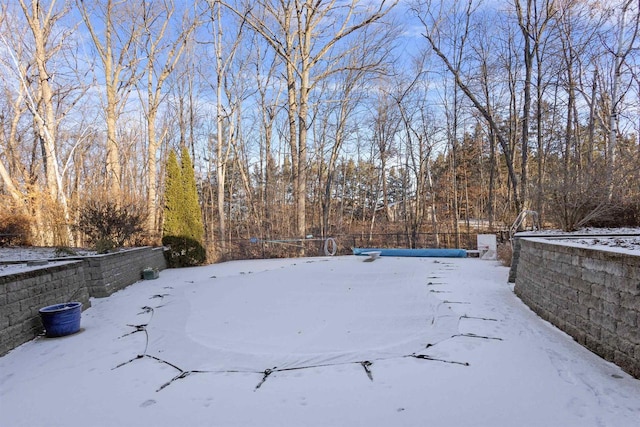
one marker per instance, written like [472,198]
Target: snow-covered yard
[316,342]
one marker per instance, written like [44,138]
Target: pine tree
[173,203]
[191,213]
[183,230]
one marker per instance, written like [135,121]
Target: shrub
[104,246]
[15,229]
[108,225]
[183,251]
[622,213]
[505,254]
[64,251]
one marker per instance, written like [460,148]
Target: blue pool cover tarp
[402,252]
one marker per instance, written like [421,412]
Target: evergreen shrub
[183,229]
[183,251]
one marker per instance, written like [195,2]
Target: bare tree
[13,109]
[367,58]
[303,33]
[626,35]
[115,29]
[419,127]
[488,66]
[385,126]
[269,92]
[45,98]
[533,21]
[164,40]
[225,114]
[432,20]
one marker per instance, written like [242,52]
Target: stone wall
[515,258]
[515,243]
[106,274]
[23,294]
[592,294]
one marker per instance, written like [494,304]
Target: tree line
[321,118]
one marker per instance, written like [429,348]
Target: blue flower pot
[61,319]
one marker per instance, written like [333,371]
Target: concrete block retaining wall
[106,274]
[591,294]
[23,294]
[515,258]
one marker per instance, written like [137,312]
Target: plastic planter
[61,319]
[150,273]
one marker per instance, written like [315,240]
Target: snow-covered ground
[316,342]
[16,259]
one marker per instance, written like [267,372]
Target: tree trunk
[42,108]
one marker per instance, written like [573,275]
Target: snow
[329,341]
[7,269]
[28,253]
[626,245]
[622,240]
[15,259]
